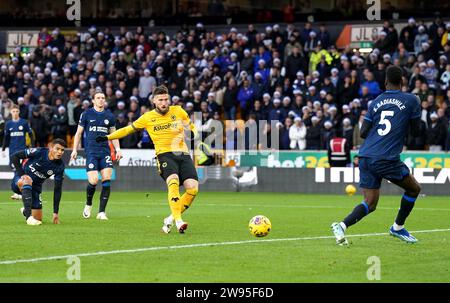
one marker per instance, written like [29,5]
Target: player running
[384,129]
[39,165]
[166,125]
[15,130]
[97,121]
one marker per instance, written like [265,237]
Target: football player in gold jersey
[166,125]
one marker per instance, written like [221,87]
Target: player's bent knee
[413,190]
[190,183]
[372,205]
[93,181]
[24,181]
[106,173]
[192,191]
[172,177]
[418,189]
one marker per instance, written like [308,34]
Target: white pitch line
[125,251]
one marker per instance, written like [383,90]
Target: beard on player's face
[163,109]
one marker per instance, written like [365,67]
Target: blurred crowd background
[293,75]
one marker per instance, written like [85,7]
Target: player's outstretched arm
[414,125]
[365,128]
[6,139]
[194,130]
[202,151]
[116,145]
[76,141]
[32,139]
[31,134]
[189,125]
[118,134]
[57,193]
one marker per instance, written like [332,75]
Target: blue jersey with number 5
[390,114]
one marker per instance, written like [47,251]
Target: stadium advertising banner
[363,35]
[76,169]
[283,159]
[313,159]
[131,157]
[28,39]
[351,175]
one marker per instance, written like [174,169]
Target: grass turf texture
[136,219]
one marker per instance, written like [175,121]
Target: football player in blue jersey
[40,165]
[15,137]
[97,121]
[388,120]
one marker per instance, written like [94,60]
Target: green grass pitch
[217,246]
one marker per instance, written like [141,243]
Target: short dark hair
[394,75]
[59,141]
[97,91]
[160,90]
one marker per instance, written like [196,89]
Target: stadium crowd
[295,76]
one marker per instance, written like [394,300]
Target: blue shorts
[372,171]
[98,162]
[36,202]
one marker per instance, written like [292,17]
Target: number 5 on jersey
[386,122]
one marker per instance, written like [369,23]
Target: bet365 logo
[74,11]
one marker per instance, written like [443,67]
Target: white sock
[397,227]
[170,218]
[342,224]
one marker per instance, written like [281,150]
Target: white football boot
[338,232]
[181,226]
[167,225]
[16,197]
[87,211]
[102,216]
[32,221]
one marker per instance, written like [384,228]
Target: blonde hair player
[97,121]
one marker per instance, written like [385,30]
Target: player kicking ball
[97,121]
[41,164]
[166,125]
[384,129]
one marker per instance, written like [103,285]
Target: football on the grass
[260,226]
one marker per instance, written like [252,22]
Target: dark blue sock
[406,206]
[27,200]
[360,211]
[104,196]
[90,191]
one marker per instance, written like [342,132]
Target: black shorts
[179,164]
